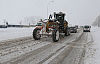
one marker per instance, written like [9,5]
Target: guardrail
[3,26]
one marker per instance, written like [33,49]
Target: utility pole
[47,7]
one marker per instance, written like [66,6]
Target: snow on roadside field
[92,55]
[12,33]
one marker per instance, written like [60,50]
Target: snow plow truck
[54,27]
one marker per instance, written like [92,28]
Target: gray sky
[81,12]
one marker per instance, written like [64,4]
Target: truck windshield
[86,26]
[59,17]
[72,27]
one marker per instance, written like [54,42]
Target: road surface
[26,50]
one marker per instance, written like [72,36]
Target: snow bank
[93,52]
[12,33]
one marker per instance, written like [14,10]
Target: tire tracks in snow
[52,48]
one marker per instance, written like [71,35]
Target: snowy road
[68,50]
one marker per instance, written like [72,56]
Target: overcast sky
[81,12]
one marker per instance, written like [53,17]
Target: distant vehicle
[73,29]
[76,26]
[86,28]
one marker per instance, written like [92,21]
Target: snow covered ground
[92,55]
[12,33]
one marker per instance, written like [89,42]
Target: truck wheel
[55,35]
[66,32]
[36,34]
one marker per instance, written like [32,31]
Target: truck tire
[66,32]
[55,35]
[36,34]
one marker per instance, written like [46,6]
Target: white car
[86,28]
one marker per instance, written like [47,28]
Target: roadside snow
[12,33]
[92,55]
